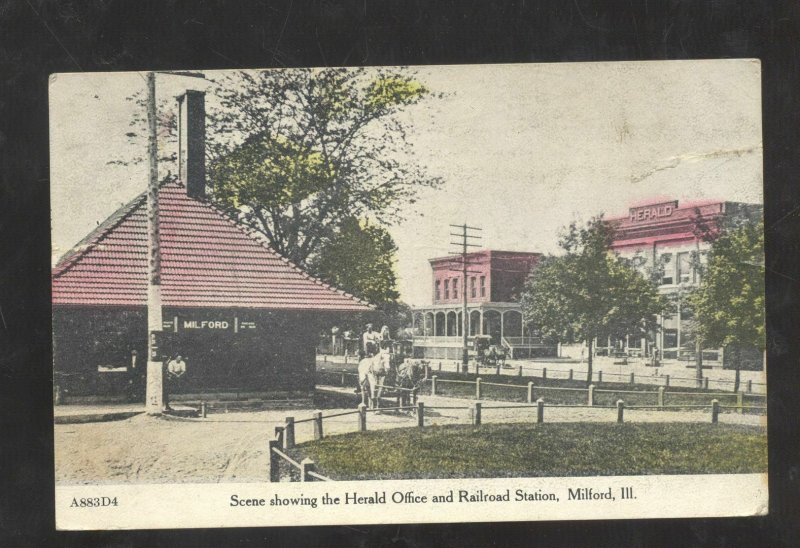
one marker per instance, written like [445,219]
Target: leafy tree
[309,149]
[360,260]
[729,302]
[296,153]
[588,291]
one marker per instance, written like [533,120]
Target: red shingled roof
[207,260]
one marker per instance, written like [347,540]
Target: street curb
[95,417]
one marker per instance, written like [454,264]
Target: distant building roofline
[485,251]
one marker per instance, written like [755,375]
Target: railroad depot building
[665,237]
[495,281]
[245,319]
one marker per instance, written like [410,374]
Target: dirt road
[232,447]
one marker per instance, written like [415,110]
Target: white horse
[372,372]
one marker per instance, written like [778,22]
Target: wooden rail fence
[284,439]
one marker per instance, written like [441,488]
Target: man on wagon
[372,341]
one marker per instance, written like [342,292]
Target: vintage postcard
[408,294]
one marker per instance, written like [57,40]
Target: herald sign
[652,212]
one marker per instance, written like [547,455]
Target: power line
[465,244]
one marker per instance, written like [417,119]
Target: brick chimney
[192,142]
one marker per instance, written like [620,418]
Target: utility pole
[154,396]
[154,390]
[465,245]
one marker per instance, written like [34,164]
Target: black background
[41,37]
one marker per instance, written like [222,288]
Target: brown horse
[411,375]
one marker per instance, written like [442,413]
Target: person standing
[386,338]
[176,368]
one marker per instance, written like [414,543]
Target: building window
[670,338]
[684,268]
[668,269]
[703,260]
[483,286]
[472,287]
[455,288]
[438,293]
[446,289]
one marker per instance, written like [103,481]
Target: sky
[522,149]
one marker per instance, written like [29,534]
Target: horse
[411,375]
[372,373]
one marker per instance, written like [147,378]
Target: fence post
[440,366]
[570,374]
[666,381]
[433,385]
[421,414]
[362,417]
[307,465]
[478,388]
[590,395]
[544,372]
[345,359]
[714,411]
[203,409]
[288,433]
[599,376]
[343,377]
[750,386]
[620,410]
[520,370]
[632,379]
[274,463]
[540,410]
[318,425]
[476,413]
[530,392]
[739,401]
[661,396]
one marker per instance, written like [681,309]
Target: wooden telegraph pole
[154,397]
[154,392]
[465,245]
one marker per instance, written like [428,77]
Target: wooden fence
[594,396]
[599,375]
[305,470]
[345,377]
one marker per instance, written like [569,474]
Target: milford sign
[177,324]
[653,211]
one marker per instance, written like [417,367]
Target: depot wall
[226,350]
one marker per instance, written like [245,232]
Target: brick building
[494,283]
[668,238]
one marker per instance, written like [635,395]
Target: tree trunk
[589,362]
[737,363]
[698,347]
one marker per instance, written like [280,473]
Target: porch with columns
[438,329]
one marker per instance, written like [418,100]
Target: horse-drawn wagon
[390,375]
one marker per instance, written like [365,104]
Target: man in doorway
[176,368]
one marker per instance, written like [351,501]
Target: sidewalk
[74,414]
[612,370]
